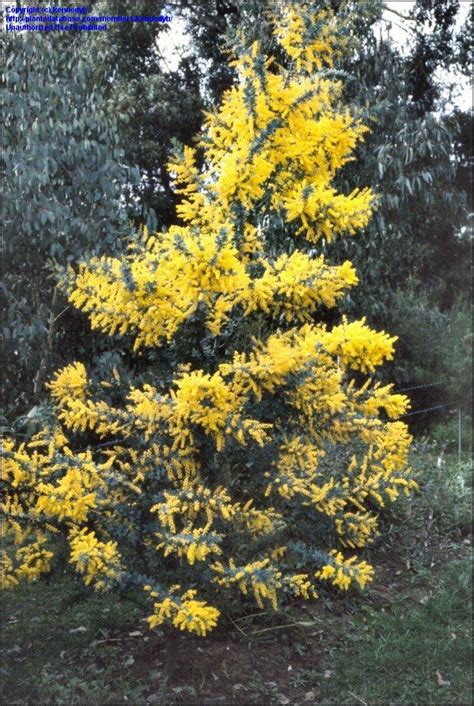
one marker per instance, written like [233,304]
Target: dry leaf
[135,633]
[441,681]
[310,696]
[282,699]
[81,628]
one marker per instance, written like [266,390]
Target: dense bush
[434,347]
[257,450]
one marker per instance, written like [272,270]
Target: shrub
[436,346]
[255,470]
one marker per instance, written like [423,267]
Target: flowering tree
[256,455]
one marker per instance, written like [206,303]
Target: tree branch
[399,14]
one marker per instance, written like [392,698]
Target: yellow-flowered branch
[254,472]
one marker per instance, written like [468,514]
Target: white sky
[174,43]
[400,32]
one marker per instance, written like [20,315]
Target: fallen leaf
[441,681]
[310,696]
[152,699]
[129,661]
[81,628]
[135,633]
[236,687]
[327,674]
[282,699]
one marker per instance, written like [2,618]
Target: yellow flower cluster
[70,382]
[260,577]
[300,585]
[184,612]
[280,150]
[312,42]
[191,501]
[32,559]
[195,544]
[249,433]
[341,572]
[98,562]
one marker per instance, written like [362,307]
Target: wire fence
[450,405]
[429,409]
[421,387]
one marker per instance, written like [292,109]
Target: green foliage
[443,505]
[155,105]
[414,166]
[63,174]
[433,346]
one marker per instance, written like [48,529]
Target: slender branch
[61,313]
[397,24]
[399,14]
[37,385]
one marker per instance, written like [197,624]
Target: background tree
[157,105]
[63,175]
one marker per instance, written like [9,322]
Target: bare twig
[276,627]
[238,628]
[252,615]
[397,24]
[358,698]
[403,17]
[61,313]
[38,382]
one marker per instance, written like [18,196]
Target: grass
[408,654]
[407,640]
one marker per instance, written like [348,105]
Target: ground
[406,640]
